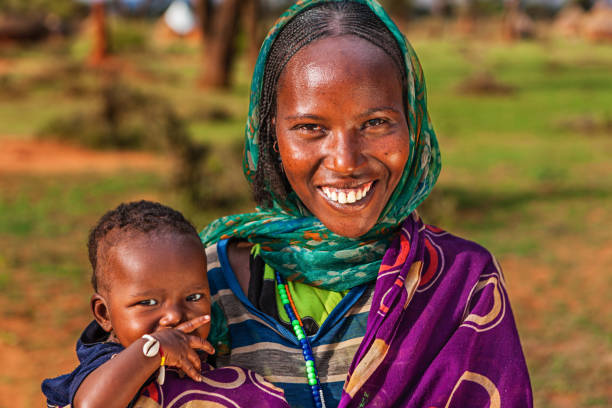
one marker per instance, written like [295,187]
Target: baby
[152,315]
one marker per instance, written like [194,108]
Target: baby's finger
[199,343]
[193,372]
[193,360]
[193,324]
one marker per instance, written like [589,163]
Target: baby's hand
[178,346]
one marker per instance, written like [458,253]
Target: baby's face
[156,282]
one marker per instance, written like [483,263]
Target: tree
[219,26]
[220,47]
[100,34]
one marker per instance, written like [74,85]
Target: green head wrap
[298,245]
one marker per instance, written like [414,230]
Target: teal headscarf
[298,245]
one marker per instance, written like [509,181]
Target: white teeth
[350,197]
[346,195]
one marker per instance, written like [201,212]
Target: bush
[130,119]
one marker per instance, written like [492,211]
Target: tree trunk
[399,8]
[466,19]
[204,11]
[511,13]
[438,8]
[100,35]
[252,11]
[219,56]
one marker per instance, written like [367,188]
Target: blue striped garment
[260,343]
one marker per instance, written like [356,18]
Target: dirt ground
[33,348]
[44,157]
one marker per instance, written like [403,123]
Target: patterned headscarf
[292,240]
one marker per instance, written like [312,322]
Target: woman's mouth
[347,195]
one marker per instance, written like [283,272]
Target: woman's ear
[100,311]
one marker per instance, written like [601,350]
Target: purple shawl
[222,387]
[440,332]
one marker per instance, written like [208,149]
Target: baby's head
[149,271]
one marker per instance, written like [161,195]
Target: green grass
[520,176]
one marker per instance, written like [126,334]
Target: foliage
[128,118]
[60,8]
[128,36]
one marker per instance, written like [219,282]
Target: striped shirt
[262,344]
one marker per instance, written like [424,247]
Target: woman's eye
[309,127]
[374,122]
[195,297]
[148,302]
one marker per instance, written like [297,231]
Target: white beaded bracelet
[151,349]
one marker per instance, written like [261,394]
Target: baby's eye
[195,297]
[148,302]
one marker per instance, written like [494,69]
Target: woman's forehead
[340,68]
[347,55]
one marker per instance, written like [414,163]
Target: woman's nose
[344,151]
[172,316]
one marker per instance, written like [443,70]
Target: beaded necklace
[298,329]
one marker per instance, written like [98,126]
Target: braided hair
[333,19]
[138,216]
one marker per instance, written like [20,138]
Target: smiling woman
[334,289]
[344,153]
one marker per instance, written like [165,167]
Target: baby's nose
[172,316]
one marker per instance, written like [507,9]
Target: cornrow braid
[138,216]
[333,19]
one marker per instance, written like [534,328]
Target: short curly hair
[138,216]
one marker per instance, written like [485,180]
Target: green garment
[310,301]
[292,240]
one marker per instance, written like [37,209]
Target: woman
[334,289]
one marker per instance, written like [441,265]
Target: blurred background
[128,99]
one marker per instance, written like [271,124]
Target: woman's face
[342,132]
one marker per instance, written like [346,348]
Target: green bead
[311,376]
[299,336]
[310,363]
[310,370]
[312,382]
[295,322]
[281,287]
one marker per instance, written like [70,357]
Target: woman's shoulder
[229,257]
[455,254]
